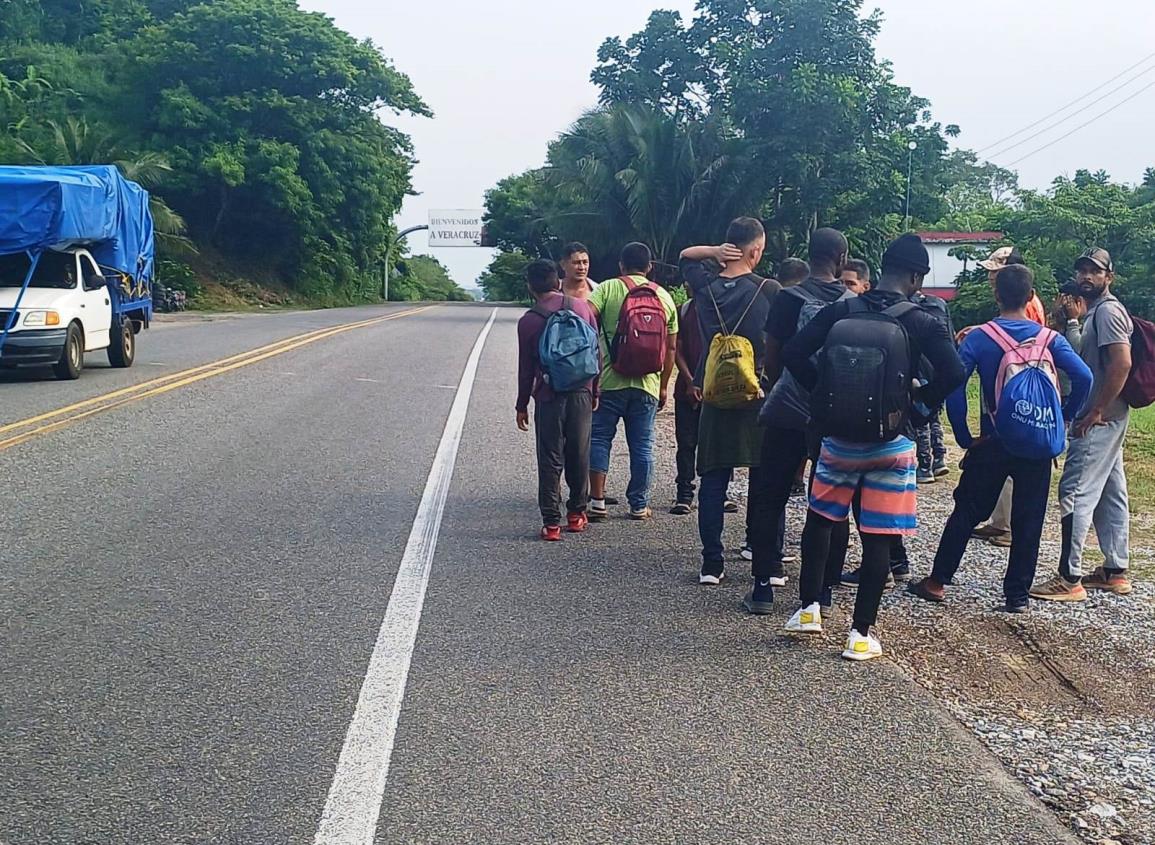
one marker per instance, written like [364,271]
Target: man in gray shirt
[1093,489]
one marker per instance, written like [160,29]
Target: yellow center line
[155,387]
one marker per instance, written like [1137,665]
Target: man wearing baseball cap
[1093,489]
[998,530]
[999,259]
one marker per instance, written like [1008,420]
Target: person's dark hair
[541,276]
[1014,285]
[743,231]
[1015,257]
[827,245]
[793,270]
[573,248]
[859,267]
[636,258]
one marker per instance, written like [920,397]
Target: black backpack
[864,386]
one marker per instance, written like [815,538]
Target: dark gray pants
[563,445]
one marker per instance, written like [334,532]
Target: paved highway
[215,586]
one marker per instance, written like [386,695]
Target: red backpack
[638,347]
[1139,391]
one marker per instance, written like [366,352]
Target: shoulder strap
[749,305]
[900,309]
[996,333]
[629,283]
[718,311]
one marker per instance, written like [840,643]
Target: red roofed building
[945,268]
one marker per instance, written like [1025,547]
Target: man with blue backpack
[1021,435]
[559,366]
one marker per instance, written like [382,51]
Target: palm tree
[76,141]
[636,174]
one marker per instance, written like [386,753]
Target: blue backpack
[1028,412]
[568,349]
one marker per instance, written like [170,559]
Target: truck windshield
[55,270]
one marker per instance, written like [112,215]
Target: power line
[1146,87]
[1061,109]
[1071,116]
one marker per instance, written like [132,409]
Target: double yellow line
[15,433]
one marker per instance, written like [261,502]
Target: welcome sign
[456,227]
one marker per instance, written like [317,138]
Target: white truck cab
[67,310]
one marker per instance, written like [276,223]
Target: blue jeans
[711,513]
[637,409]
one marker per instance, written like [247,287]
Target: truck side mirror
[94,282]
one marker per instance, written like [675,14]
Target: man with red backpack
[1020,436]
[638,329]
[1093,489]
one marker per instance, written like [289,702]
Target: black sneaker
[729,506]
[760,599]
[610,500]
[939,468]
[851,578]
[798,489]
[597,514]
[711,574]
[681,508]
[900,573]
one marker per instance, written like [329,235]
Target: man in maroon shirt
[561,420]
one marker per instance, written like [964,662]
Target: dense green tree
[266,116]
[423,277]
[504,279]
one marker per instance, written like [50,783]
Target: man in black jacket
[883,474]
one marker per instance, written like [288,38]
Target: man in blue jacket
[988,464]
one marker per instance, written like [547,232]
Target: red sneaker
[551,533]
[576,523]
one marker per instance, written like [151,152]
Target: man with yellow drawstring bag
[733,305]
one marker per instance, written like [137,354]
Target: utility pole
[388,246]
[911,147]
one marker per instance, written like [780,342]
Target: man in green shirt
[634,400]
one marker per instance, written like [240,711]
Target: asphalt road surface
[195,575]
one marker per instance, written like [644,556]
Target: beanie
[907,253]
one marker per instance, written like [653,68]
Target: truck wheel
[72,359]
[122,350]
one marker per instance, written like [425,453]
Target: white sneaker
[807,620]
[711,579]
[777,580]
[859,647]
[747,553]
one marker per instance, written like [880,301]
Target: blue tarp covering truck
[77,255]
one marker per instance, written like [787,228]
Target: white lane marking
[354,801]
[369,380]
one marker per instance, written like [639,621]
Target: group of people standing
[828,365]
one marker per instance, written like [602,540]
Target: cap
[997,259]
[1099,257]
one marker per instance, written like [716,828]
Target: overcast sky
[503,77]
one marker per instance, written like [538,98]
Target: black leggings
[822,569]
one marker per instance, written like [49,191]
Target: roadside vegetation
[260,129]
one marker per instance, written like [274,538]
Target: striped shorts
[885,473]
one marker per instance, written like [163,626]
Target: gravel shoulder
[1064,697]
